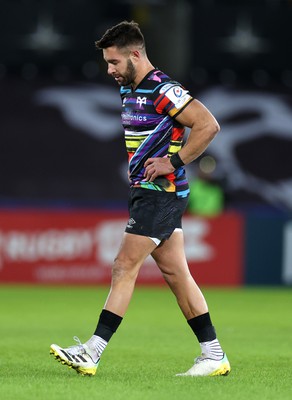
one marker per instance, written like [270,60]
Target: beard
[130,74]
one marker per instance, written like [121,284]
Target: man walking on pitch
[155,110]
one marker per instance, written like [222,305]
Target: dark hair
[122,35]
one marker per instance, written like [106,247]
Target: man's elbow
[217,128]
[213,129]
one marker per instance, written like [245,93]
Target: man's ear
[135,55]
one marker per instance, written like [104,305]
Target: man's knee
[124,267]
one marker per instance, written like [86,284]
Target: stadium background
[62,178]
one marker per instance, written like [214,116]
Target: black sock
[107,325]
[203,328]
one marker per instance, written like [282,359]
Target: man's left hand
[157,166]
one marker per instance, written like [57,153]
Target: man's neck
[142,73]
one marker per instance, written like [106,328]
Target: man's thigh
[134,249]
[170,255]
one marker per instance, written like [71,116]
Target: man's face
[120,66]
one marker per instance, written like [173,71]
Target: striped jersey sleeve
[172,99]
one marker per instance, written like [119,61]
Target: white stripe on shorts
[158,241]
[155,240]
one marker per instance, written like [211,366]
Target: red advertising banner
[78,247]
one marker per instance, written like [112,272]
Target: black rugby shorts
[154,214]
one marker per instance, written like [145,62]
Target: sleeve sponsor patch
[165,87]
[177,95]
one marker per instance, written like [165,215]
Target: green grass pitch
[254,326]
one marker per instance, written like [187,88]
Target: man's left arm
[204,128]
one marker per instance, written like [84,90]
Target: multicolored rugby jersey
[148,118]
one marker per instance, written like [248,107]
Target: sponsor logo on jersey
[178,91]
[141,101]
[165,87]
[128,116]
[178,96]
